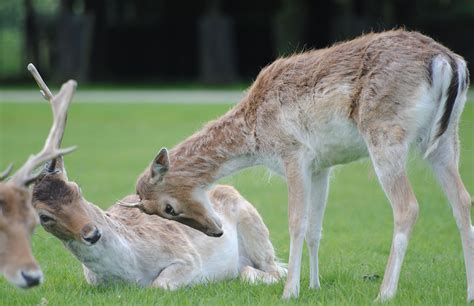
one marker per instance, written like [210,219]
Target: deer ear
[160,166]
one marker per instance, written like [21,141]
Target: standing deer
[129,246]
[17,216]
[372,96]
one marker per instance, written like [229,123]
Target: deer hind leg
[175,276]
[254,276]
[298,174]
[319,192]
[389,152]
[255,245]
[444,161]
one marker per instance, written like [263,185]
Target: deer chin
[215,231]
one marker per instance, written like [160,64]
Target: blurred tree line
[208,41]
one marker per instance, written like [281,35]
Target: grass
[116,142]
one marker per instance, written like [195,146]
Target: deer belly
[340,144]
[337,141]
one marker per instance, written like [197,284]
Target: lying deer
[372,96]
[17,216]
[129,246]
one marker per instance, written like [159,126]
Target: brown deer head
[62,209]
[17,216]
[163,194]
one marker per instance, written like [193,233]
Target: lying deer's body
[375,96]
[129,246]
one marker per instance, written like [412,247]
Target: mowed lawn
[116,142]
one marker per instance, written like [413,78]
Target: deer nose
[91,236]
[215,230]
[32,278]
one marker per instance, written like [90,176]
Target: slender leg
[176,276]
[405,212]
[319,192]
[445,165]
[255,276]
[254,241]
[389,155]
[92,278]
[298,176]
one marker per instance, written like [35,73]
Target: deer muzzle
[90,234]
[25,277]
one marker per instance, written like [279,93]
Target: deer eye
[45,219]
[170,210]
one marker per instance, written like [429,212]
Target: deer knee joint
[313,237]
[406,218]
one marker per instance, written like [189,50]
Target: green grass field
[116,142]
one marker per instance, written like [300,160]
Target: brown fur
[288,79]
[53,194]
[17,222]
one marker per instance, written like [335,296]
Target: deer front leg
[176,275]
[92,278]
[319,192]
[298,176]
[389,157]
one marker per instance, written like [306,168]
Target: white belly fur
[221,260]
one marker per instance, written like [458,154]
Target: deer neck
[222,147]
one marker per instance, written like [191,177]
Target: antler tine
[5,173]
[59,104]
[131,205]
[45,92]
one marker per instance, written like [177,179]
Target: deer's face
[62,210]
[17,222]
[164,194]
